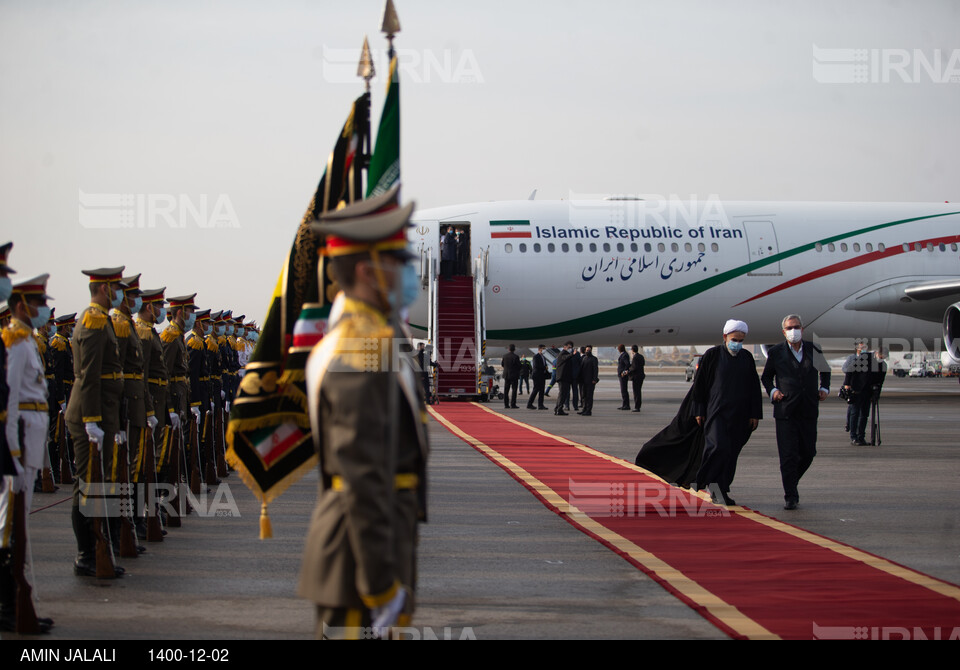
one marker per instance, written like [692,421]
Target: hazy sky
[167,116]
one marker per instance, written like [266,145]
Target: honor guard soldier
[182,318]
[62,356]
[201,398]
[214,362]
[93,413]
[25,430]
[369,426]
[43,335]
[152,312]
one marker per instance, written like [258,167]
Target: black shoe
[585,413]
[859,443]
[544,407]
[560,412]
[88,568]
[790,504]
[623,408]
[636,410]
[531,407]
[514,407]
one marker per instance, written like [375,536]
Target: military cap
[375,224]
[216,316]
[183,301]
[33,288]
[112,275]
[227,314]
[239,319]
[66,319]
[131,284]
[203,315]
[153,295]
[4,252]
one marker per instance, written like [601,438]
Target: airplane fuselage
[672,272]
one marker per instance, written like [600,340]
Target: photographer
[860,384]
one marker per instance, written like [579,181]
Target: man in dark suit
[797,378]
[861,381]
[564,371]
[589,376]
[541,370]
[576,388]
[511,377]
[636,375]
[623,372]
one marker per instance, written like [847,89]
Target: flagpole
[390,26]
[366,71]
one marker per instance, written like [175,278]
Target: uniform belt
[135,376]
[113,375]
[158,382]
[68,382]
[214,376]
[402,480]
[33,407]
[49,376]
[203,379]
[178,379]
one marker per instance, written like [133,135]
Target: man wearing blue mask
[182,317]
[93,413]
[368,420]
[726,403]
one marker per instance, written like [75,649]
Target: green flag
[384,171]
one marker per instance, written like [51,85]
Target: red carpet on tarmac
[751,575]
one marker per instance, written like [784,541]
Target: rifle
[66,475]
[128,537]
[209,443]
[173,520]
[46,480]
[194,458]
[154,531]
[218,443]
[105,565]
[27,622]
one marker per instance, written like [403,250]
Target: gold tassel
[266,531]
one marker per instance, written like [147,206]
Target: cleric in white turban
[727,404]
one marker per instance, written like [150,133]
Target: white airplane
[671,272]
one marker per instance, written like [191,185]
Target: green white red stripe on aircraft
[889,252]
[635,310]
[508,229]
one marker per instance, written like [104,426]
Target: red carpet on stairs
[751,575]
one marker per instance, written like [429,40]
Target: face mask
[409,286]
[734,347]
[229,330]
[189,322]
[253,336]
[40,320]
[162,316]
[793,336]
[137,304]
[207,330]
[53,330]
[6,288]
[117,298]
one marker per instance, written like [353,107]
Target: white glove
[174,420]
[223,395]
[121,437]
[94,434]
[152,422]
[63,407]
[386,616]
[196,413]
[226,406]
[18,482]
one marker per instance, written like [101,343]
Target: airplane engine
[951,331]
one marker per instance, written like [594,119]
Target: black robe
[675,452]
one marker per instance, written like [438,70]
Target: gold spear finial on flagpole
[365,68]
[390,25]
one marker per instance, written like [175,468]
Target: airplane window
[929,246]
[579,247]
[869,246]
[819,246]
[856,246]
[508,247]
[943,247]
[881,247]
[593,247]
[536,247]
[701,247]
[647,247]
[843,246]
[523,248]
[634,247]
[620,246]
[714,247]
[606,247]
[661,247]
[906,247]
[551,248]
[953,247]
[688,247]
[565,247]
[675,247]
[831,247]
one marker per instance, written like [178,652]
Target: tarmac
[494,563]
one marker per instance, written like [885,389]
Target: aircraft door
[455,255]
[762,244]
